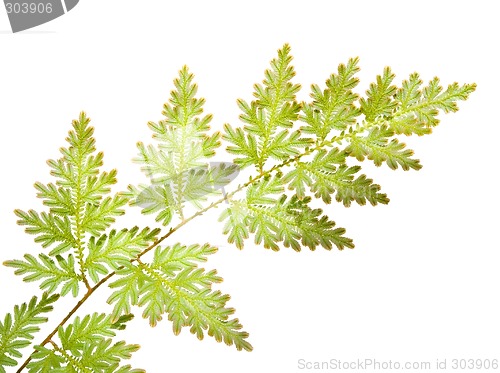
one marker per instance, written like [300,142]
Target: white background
[422,282]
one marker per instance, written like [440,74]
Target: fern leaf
[325,182]
[262,193]
[130,280]
[155,162]
[183,144]
[49,229]
[418,109]
[173,284]
[78,207]
[57,198]
[376,146]
[379,101]
[54,274]
[333,108]
[100,217]
[324,179]
[113,250]
[189,301]
[276,107]
[178,257]
[86,347]
[45,360]
[169,260]
[244,145]
[90,329]
[78,171]
[156,198]
[285,145]
[105,355]
[290,221]
[295,222]
[81,207]
[18,329]
[199,183]
[202,182]
[236,224]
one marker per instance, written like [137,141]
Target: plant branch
[261,175]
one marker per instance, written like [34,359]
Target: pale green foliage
[53,275]
[85,346]
[332,108]
[17,329]
[176,166]
[327,174]
[111,251]
[363,127]
[393,111]
[301,153]
[173,284]
[80,210]
[268,119]
[280,219]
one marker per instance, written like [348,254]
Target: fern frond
[418,109]
[189,301]
[183,145]
[236,224]
[80,211]
[45,360]
[17,330]
[332,108]
[285,145]
[273,220]
[99,217]
[178,257]
[54,274]
[104,355]
[376,147]
[324,179]
[109,252]
[155,198]
[296,221]
[86,347]
[245,146]
[262,192]
[408,110]
[327,181]
[129,283]
[90,329]
[203,182]
[379,101]
[78,172]
[49,229]
[57,198]
[173,284]
[132,278]
[275,108]
[78,207]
